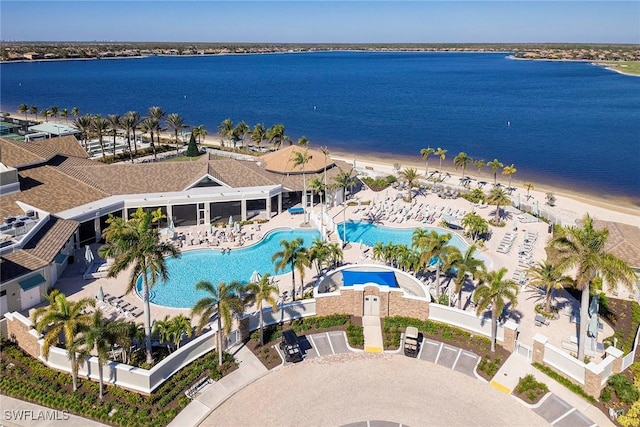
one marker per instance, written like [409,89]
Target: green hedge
[565,382]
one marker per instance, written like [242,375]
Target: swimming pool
[370,233]
[214,266]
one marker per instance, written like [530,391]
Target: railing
[524,350]
[285,313]
[607,370]
[564,363]
[629,358]
[464,320]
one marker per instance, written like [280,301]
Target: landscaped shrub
[379,184]
[532,389]
[355,335]
[565,382]
[624,389]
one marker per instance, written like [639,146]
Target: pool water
[214,266]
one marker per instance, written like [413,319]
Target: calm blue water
[212,265]
[571,124]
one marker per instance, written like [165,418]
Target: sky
[453,21]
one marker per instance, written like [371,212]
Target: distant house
[33,55]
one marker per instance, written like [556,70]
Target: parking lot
[559,413]
[322,344]
[449,356]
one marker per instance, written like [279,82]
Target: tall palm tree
[301,158]
[509,171]
[115,123]
[131,120]
[480,164]
[148,125]
[303,141]
[547,276]
[411,176]
[317,186]
[475,225]
[99,127]
[462,160]
[53,111]
[529,187]
[84,125]
[180,325]
[34,110]
[23,109]
[136,243]
[162,331]
[75,112]
[582,250]
[467,264]
[64,113]
[66,317]
[276,135]
[46,113]
[499,197]
[319,253]
[495,165]
[225,129]
[157,114]
[495,291]
[336,254]
[434,247]
[345,180]
[176,122]
[420,238]
[260,292]
[223,301]
[98,339]
[292,255]
[442,153]
[258,134]
[425,153]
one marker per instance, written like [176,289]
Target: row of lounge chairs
[115,305]
[507,243]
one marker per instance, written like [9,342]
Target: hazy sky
[322,21]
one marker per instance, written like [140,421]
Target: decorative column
[243,209]
[510,333]
[617,354]
[593,379]
[267,203]
[539,341]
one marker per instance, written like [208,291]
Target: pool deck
[562,329]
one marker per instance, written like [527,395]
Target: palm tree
[75,112]
[99,127]
[582,250]
[157,114]
[148,125]
[344,180]
[223,301]
[176,122]
[480,164]
[509,171]
[84,125]
[319,253]
[301,158]
[65,115]
[63,316]
[425,153]
[529,187]
[303,141]
[99,338]
[34,110]
[46,114]
[180,325]
[434,247]
[23,109]
[495,291]
[200,132]
[410,175]
[276,136]
[467,263]
[260,292]
[115,123]
[420,238]
[131,121]
[137,243]
[336,255]
[162,331]
[495,165]
[240,131]
[475,225]
[497,196]
[442,154]
[225,129]
[317,186]
[258,134]
[462,160]
[547,276]
[292,255]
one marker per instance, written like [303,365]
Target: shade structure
[255,277]
[535,209]
[230,219]
[172,226]
[100,295]
[88,254]
[592,327]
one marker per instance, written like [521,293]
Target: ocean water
[560,123]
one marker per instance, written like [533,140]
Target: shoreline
[567,199]
[604,64]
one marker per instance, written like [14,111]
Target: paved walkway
[372,334]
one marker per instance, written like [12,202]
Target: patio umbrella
[535,209]
[230,219]
[255,277]
[88,255]
[100,295]
[517,201]
[515,224]
[171,226]
[592,327]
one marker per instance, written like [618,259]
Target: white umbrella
[255,277]
[100,294]
[171,226]
[230,219]
[88,255]
[236,227]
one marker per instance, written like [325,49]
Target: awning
[60,258]
[31,282]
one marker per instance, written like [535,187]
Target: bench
[197,387]
[294,211]
[567,345]
[541,320]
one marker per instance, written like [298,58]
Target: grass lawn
[630,67]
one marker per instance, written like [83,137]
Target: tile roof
[18,153]
[623,242]
[40,250]
[281,161]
